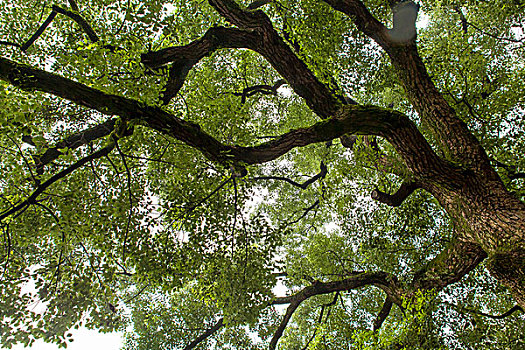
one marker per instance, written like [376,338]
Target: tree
[169,163]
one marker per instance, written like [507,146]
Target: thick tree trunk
[485,213]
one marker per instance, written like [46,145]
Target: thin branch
[54,11]
[32,198]
[305,212]
[257,34]
[494,36]
[494,317]
[39,31]
[320,318]
[80,21]
[130,198]
[304,185]
[261,88]
[9,43]
[192,207]
[137,294]
[205,335]
[512,172]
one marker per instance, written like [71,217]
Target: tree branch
[397,128]
[395,200]
[258,3]
[32,198]
[74,141]
[454,262]
[262,88]
[39,31]
[205,335]
[71,14]
[80,21]
[495,317]
[383,314]
[320,318]
[257,34]
[383,280]
[450,132]
[304,185]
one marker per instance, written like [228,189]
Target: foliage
[158,237]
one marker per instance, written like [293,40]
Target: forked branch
[395,127]
[449,131]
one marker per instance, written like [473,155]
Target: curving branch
[261,88]
[450,266]
[495,317]
[395,200]
[304,185]
[205,335]
[256,33]
[383,280]
[395,127]
[75,16]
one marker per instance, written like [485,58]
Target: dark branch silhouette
[39,31]
[383,280]
[60,175]
[304,185]
[262,88]
[395,200]
[383,314]
[54,11]
[205,335]
[74,141]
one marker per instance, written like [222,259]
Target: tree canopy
[227,174]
